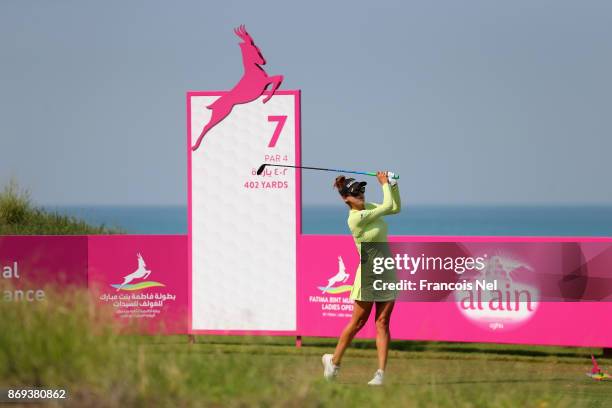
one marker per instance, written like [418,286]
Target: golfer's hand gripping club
[392,178]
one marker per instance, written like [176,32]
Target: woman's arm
[397,202]
[367,216]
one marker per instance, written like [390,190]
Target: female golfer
[366,223]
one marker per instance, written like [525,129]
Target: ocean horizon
[469,220]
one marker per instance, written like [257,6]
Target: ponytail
[339,183]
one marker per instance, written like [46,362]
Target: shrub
[18,216]
[14,204]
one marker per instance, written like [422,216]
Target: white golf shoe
[379,378]
[330,370]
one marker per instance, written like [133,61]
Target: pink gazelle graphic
[251,86]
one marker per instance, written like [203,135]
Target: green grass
[18,216]
[66,343]
[63,343]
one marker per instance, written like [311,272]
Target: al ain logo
[251,86]
[340,277]
[507,308]
[141,273]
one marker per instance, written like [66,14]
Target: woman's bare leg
[361,312]
[383,335]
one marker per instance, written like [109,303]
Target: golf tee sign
[243,227]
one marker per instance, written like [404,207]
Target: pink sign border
[482,238]
[298,204]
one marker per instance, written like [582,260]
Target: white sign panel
[243,226]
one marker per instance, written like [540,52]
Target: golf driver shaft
[367,173]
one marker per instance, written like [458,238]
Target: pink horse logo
[251,86]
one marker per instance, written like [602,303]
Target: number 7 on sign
[279,128]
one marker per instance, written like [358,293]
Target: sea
[413,220]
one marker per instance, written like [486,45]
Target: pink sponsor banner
[143,279]
[580,265]
[29,263]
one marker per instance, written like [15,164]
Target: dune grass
[64,343]
[19,216]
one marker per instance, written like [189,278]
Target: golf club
[367,173]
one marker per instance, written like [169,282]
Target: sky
[479,102]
